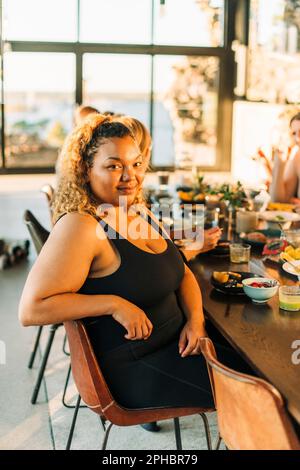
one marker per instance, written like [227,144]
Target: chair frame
[94,391]
[213,364]
[33,225]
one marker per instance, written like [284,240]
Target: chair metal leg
[52,332]
[65,391]
[106,435]
[35,347]
[218,442]
[64,345]
[177,434]
[103,422]
[207,431]
[70,438]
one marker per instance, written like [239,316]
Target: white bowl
[260,295]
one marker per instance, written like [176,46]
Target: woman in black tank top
[144,317]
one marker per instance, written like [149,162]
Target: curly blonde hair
[141,135]
[73,193]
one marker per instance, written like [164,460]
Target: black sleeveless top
[148,280]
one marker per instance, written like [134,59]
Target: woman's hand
[134,319]
[281,154]
[190,336]
[211,238]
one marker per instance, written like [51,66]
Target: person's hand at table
[295,201]
[211,238]
[190,338]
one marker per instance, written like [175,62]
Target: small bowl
[260,295]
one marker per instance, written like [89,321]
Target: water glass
[240,253]
[289,298]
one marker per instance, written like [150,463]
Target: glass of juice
[289,298]
[239,253]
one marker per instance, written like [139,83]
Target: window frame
[225,90]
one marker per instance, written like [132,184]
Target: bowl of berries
[260,290]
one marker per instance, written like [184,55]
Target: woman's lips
[127,189]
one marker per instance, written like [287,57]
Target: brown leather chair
[94,391]
[251,412]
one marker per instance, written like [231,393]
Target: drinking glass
[240,253]
[289,298]
[212,217]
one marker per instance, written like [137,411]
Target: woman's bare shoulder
[80,226]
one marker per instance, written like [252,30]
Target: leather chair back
[37,232]
[251,412]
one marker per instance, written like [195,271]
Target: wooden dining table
[264,335]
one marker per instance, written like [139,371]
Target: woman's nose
[128,173]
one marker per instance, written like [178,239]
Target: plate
[222,248]
[289,269]
[279,216]
[270,234]
[232,290]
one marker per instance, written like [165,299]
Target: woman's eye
[138,163]
[114,167]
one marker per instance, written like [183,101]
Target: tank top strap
[153,223]
[109,230]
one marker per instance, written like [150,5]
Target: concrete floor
[46,424]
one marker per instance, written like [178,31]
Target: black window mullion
[79,77]
[226,76]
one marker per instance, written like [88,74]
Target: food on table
[260,290]
[235,275]
[228,279]
[281,206]
[262,284]
[286,257]
[191,196]
[221,277]
[274,247]
[186,196]
[199,197]
[279,218]
[257,237]
[293,253]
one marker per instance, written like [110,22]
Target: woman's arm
[284,180]
[291,177]
[50,293]
[190,299]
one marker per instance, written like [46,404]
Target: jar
[246,221]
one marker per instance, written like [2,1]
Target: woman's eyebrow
[119,159]
[113,158]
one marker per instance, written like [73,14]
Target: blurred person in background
[285,185]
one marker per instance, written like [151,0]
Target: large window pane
[40,20]
[118,83]
[189,23]
[39,93]
[115,21]
[274,51]
[185,110]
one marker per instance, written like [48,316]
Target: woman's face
[118,171]
[295,132]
